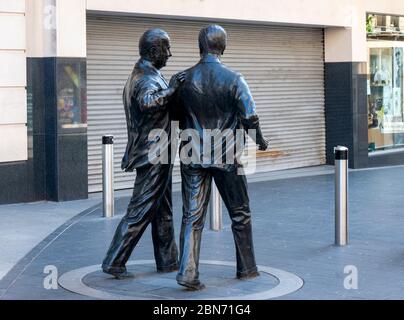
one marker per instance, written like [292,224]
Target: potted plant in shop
[369,23]
[380,117]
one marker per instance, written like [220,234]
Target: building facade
[323,73]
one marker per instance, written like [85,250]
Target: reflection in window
[71,96]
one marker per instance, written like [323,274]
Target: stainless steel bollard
[341,195]
[108,176]
[215,209]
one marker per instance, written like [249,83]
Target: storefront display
[385,95]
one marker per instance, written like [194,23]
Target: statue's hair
[151,38]
[212,39]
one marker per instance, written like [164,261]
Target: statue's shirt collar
[210,58]
[147,65]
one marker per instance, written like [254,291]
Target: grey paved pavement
[293,222]
[23,226]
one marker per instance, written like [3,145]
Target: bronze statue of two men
[207,96]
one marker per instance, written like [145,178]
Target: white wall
[348,44]
[12,6]
[41,28]
[71,28]
[56,28]
[13,105]
[13,108]
[390,7]
[309,12]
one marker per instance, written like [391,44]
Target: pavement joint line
[44,244]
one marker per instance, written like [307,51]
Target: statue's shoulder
[228,72]
[143,77]
[190,69]
[143,71]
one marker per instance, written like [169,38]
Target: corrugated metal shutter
[284,67]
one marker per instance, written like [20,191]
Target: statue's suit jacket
[146,109]
[215,97]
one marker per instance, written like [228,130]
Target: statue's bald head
[154,45]
[151,38]
[212,39]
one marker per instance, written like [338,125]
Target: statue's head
[154,45]
[212,39]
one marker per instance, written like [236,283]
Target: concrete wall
[57,28]
[392,7]
[41,28]
[309,12]
[13,105]
[71,28]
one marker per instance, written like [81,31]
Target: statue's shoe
[248,276]
[172,268]
[194,285]
[124,275]
[118,273]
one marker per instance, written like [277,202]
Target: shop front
[385,88]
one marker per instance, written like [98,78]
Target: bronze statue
[215,97]
[145,97]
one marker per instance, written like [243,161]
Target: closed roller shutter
[284,67]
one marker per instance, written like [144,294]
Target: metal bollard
[215,209]
[341,195]
[108,176]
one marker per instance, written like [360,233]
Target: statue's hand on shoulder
[263,145]
[177,80]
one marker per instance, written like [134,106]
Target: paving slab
[23,226]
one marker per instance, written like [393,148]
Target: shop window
[383,27]
[385,87]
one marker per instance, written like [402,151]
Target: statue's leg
[196,187]
[150,185]
[165,248]
[233,190]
